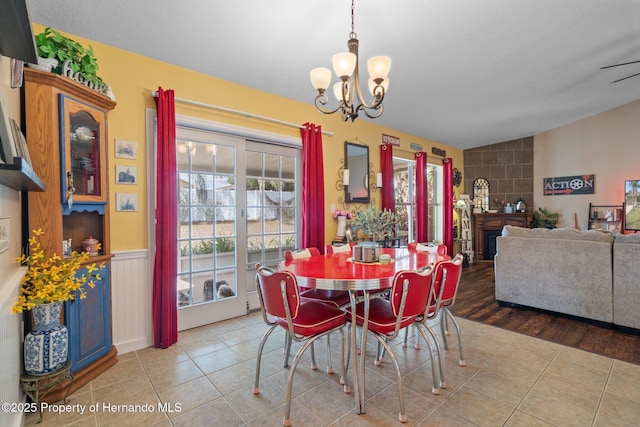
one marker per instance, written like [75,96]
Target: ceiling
[465,73]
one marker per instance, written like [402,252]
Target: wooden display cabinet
[66,126]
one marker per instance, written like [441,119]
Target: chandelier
[348,90]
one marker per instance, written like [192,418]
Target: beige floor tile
[372,418]
[417,405]
[250,406]
[75,410]
[625,380]
[190,394]
[522,419]
[569,389]
[555,411]
[499,387]
[621,408]
[299,416]
[159,358]
[128,369]
[217,411]
[240,376]
[217,360]
[326,402]
[477,407]
[443,417]
[201,346]
[579,373]
[179,373]
[584,358]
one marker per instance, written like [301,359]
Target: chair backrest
[440,249]
[278,293]
[446,278]
[417,285]
[330,249]
[301,253]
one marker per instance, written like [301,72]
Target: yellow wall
[132,77]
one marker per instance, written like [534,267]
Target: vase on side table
[46,346]
[342,228]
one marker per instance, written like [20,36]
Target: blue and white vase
[46,347]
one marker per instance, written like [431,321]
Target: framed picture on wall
[126,174]
[126,149]
[126,202]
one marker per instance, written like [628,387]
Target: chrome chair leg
[447,314]
[402,416]
[287,351]
[434,369]
[256,383]
[329,367]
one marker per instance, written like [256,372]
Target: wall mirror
[356,181]
[481,194]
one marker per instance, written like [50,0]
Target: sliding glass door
[237,204]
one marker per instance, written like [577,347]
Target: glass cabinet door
[83,157]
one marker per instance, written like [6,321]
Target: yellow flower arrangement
[53,279]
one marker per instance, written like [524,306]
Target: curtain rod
[154,93]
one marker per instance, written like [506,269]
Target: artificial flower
[53,279]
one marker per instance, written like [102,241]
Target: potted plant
[542,218]
[80,60]
[46,285]
[375,224]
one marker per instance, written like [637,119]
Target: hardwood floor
[476,301]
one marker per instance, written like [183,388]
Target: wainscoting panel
[11,334]
[131,294]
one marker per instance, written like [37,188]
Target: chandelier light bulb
[343,64]
[379,67]
[320,78]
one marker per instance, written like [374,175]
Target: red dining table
[339,272]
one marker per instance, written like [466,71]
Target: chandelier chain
[353,34]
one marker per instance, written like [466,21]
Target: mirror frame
[356,160]
[481,188]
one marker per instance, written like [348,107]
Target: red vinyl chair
[301,253]
[446,279]
[330,249]
[409,298]
[303,320]
[337,298]
[441,250]
[446,282]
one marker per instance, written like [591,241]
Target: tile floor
[207,380]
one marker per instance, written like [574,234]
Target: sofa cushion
[558,233]
[628,238]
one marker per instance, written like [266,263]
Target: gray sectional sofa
[588,274]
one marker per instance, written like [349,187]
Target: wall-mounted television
[632,205]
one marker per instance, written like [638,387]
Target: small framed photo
[126,174]
[126,149]
[126,202]
[7,143]
[4,233]
[20,141]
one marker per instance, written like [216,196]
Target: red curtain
[165,268]
[312,187]
[447,203]
[422,198]
[386,168]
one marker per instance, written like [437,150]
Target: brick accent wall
[508,166]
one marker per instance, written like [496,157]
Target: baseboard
[598,323]
[133,345]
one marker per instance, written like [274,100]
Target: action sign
[579,184]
